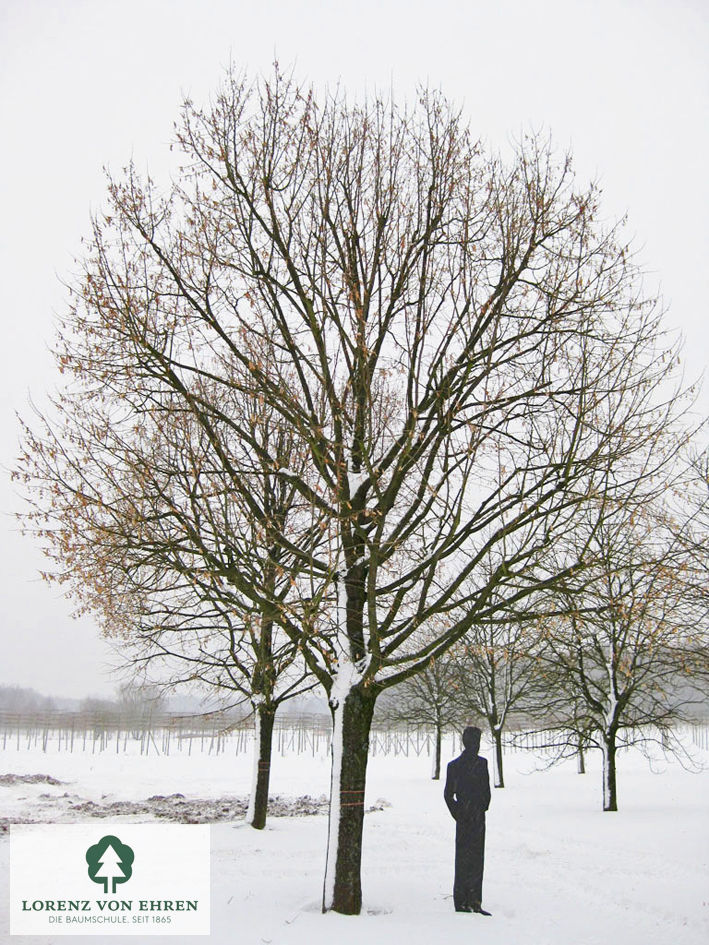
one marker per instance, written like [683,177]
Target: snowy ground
[558,870]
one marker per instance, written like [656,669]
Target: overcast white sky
[85,83]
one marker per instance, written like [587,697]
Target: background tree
[22,701]
[623,652]
[432,699]
[435,315]
[498,676]
[139,704]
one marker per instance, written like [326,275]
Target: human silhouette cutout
[467,794]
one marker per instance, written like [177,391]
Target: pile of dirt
[67,808]
[199,810]
[28,779]
[173,807]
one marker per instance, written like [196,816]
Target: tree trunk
[263,737]
[610,795]
[499,767]
[581,758]
[437,753]
[352,720]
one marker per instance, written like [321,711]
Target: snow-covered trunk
[495,723]
[610,795]
[436,774]
[264,716]
[352,720]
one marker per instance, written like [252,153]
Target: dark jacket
[467,790]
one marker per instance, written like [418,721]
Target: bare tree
[445,327]
[431,698]
[498,676]
[623,654]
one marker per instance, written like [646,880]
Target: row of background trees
[619,658]
[354,393]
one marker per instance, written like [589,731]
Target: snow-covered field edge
[558,869]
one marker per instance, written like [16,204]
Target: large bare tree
[457,345]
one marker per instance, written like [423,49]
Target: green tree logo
[110,862]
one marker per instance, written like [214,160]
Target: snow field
[559,871]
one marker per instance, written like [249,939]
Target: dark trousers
[469,861]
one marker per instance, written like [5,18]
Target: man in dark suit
[467,794]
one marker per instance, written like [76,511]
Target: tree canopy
[453,353]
